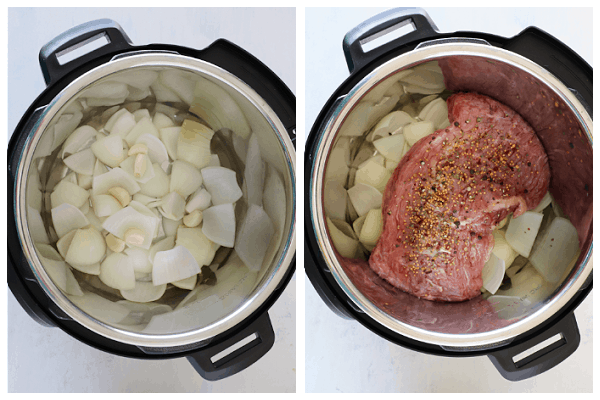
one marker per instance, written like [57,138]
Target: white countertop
[47,359]
[342,355]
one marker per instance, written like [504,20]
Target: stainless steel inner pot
[127,322]
[560,120]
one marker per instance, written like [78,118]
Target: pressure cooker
[523,72]
[101,320]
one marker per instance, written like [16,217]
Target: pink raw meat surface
[449,192]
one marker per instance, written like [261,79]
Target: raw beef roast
[450,191]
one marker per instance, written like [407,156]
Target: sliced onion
[112,120]
[426,79]
[391,147]
[356,121]
[112,178]
[138,78]
[166,244]
[417,130]
[144,292]
[72,286]
[106,90]
[187,283]
[180,83]
[169,136]
[436,112]
[139,259]
[201,247]
[110,150]
[201,200]
[364,198]
[65,125]
[161,121]
[122,125]
[376,93]
[87,247]
[557,250]
[502,249]
[99,168]
[240,145]
[157,186]
[173,265]
[334,200]
[85,181]
[163,94]
[373,174]
[521,232]
[172,206]
[100,308]
[57,271]
[344,244]
[117,273]
[170,226]
[381,108]
[493,273]
[185,178]
[138,94]
[64,242]
[208,96]
[143,127]
[219,224]
[67,192]
[105,205]
[545,202]
[222,185]
[389,124]
[128,218]
[254,172]
[67,217]
[254,236]
[214,161]
[193,143]
[372,228]
[81,139]
[47,251]
[337,165]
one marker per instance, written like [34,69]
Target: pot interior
[218,299]
[564,129]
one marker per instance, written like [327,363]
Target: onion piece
[110,150]
[85,181]
[172,206]
[57,271]
[254,172]
[373,174]
[79,140]
[112,120]
[112,178]
[417,130]
[64,242]
[157,186]
[144,292]
[122,125]
[364,198]
[65,125]
[201,247]
[106,90]
[87,247]
[139,259]
[179,82]
[72,286]
[254,236]
[166,244]
[222,185]
[173,265]
[163,94]
[185,178]
[105,205]
[389,124]
[161,121]
[143,127]
[219,224]
[193,143]
[47,251]
[169,136]
[376,93]
[356,121]
[187,283]
[67,217]
[214,161]
[210,97]
[545,202]
[334,200]
[201,200]
[436,112]
[240,145]
[67,192]
[138,78]
[381,108]
[558,248]
[170,226]
[493,273]
[521,232]
[345,245]
[117,273]
[391,147]
[337,165]
[129,218]
[100,308]
[36,227]
[502,249]
[156,149]
[372,228]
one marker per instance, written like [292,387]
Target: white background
[342,355]
[47,359]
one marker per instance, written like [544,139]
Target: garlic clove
[114,177]
[201,200]
[193,219]
[142,227]
[120,194]
[114,243]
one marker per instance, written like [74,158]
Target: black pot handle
[77,37]
[258,76]
[382,24]
[239,359]
[545,358]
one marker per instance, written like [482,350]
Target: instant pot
[551,87]
[102,320]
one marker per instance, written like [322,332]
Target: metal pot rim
[44,115]
[325,138]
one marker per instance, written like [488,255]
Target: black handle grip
[381,24]
[543,359]
[76,37]
[239,359]
[258,76]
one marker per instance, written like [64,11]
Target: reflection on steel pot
[556,102]
[118,143]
